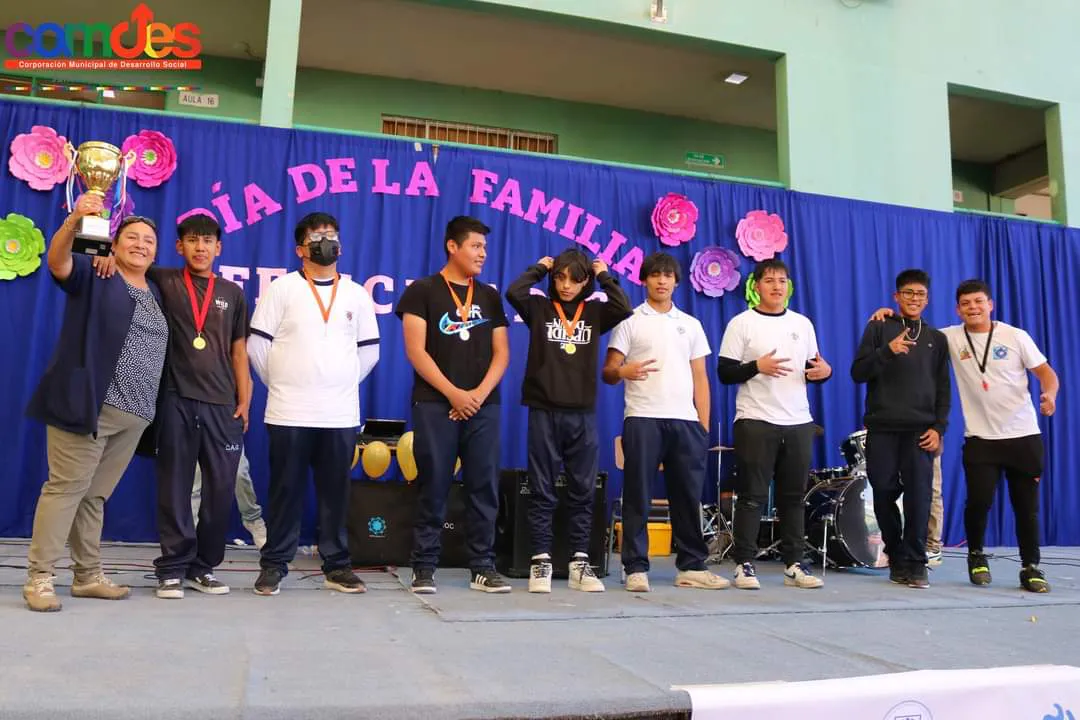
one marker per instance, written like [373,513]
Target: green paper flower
[753,298]
[21,246]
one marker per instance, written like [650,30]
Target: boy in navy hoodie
[560,391]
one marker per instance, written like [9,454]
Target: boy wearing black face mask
[314,338]
[560,391]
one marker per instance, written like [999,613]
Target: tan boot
[100,587]
[40,595]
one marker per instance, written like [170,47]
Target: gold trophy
[99,165]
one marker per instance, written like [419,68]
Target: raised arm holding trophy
[99,165]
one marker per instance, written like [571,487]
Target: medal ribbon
[199,313]
[986,353]
[568,326]
[318,298]
[463,309]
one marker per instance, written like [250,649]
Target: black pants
[681,445]
[190,432]
[294,451]
[566,439]
[896,466]
[437,443]
[764,451]
[1021,459]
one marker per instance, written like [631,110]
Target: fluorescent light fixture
[736,78]
[108,93]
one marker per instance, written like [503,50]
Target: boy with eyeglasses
[905,365]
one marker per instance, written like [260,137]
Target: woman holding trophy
[96,397]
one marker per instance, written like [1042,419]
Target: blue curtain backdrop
[844,256]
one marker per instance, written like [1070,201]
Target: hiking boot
[99,587]
[40,595]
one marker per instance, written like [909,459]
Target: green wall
[976,181]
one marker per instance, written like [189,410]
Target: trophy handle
[69,187]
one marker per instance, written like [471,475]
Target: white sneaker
[799,575]
[583,578]
[934,559]
[700,579]
[746,577]
[257,529]
[637,582]
[540,576]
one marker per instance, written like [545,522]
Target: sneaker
[799,575]
[40,595]
[899,573]
[978,569]
[583,578]
[423,581]
[1033,579]
[268,582]
[540,576]
[207,583]
[100,587]
[344,580]
[488,581]
[170,589]
[637,582]
[934,559]
[257,528]
[701,579]
[746,577]
[919,578]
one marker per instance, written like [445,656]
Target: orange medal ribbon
[463,309]
[568,347]
[333,296]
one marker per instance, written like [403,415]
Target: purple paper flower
[761,235]
[714,271]
[113,214]
[155,157]
[674,219]
[38,158]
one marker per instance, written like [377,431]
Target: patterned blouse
[134,386]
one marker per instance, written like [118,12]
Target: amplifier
[380,525]
[512,547]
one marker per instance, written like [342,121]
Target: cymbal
[719,448]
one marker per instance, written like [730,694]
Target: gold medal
[464,334]
[199,343]
[569,348]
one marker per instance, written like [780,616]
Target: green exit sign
[695,159]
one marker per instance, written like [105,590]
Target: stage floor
[309,652]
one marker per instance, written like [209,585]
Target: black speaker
[380,525]
[512,551]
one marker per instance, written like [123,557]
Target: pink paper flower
[761,235]
[674,219]
[714,271]
[115,215]
[38,158]
[155,157]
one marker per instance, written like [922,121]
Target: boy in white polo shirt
[314,338]
[660,352]
[771,353]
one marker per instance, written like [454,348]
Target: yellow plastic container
[659,538]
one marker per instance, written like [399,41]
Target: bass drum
[840,517]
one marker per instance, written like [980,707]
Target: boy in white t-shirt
[660,352]
[771,353]
[314,338]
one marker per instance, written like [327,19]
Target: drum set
[841,527]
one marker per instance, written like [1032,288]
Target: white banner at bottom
[1037,692]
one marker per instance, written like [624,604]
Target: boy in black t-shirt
[560,391]
[455,338]
[203,412]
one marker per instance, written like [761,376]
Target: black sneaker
[489,581]
[344,580]
[170,589]
[268,582]
[899,574]
[1033,579]
[207,583]
[918,577]
[978,569]
[423,581]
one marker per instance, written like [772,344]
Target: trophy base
[92,237]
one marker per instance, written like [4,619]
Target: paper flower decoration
[753,298]
[21,245]
[155,158]
[114,214]
[714,271]
[674,219]
[761,235]
[38,158]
